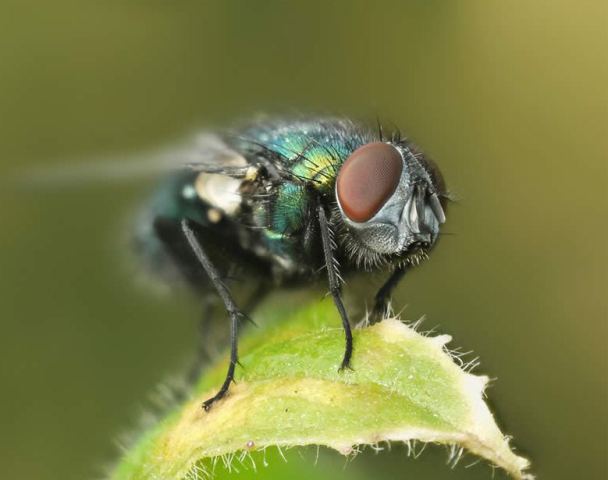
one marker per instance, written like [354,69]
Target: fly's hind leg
[170,234]
[234,312]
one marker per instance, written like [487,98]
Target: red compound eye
[367,179]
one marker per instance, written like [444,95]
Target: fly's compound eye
[367,179]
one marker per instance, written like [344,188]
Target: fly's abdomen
[212,201]
[175,198]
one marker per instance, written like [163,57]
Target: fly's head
[391,204]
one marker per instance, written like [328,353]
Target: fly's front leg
[233,311]
[383,295]
[334,283]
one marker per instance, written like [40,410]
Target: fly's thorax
[389,202]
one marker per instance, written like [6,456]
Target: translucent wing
[204,152]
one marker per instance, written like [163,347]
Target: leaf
[403,386]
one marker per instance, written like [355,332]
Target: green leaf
[403,386]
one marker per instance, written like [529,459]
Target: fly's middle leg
[234,313]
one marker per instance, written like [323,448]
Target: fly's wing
[191,177]
[196,181]
[204,152]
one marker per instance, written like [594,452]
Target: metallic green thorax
[311,152]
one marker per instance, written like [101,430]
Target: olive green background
[509,97]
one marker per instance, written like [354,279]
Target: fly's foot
[207,404]
[345,365]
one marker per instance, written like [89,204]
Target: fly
[286,202]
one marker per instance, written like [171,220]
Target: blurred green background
[509,97]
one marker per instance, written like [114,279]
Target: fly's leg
[383,295]
[233,311]
[334,283]
[208,349]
